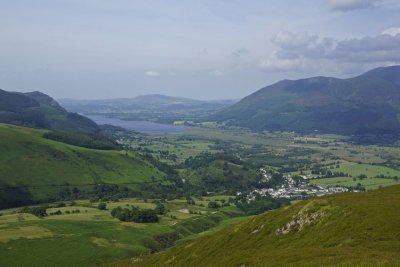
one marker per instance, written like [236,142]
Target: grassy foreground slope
[350,229]
[41,167]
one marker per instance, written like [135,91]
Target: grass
[50,166]
[368,169]
[349,229]
[173,145]
[367,183]
[92,237]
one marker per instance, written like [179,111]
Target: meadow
[91,236]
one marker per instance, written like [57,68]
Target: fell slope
[35,109]
[39,168]
[369,103]
[349,229]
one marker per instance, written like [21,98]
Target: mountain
[35,109]
[153,102]
[348,229]
[157,108]
[36,169]
[366,104]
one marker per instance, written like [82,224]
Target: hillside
[369,103]
[33,168]
[35,109]
[349,229]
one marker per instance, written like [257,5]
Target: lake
[146,127]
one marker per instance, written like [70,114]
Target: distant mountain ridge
[36,109]
[369,103]
[151,102]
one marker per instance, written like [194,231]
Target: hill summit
[36,109]
[366,104]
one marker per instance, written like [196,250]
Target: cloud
[393,31]
[281,65]
[152,73]
[349,5]
[240,52]
[306,52]
[217,73]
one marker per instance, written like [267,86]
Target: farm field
[91,236]
[367,183]
[289,153]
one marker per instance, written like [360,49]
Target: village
[295,189]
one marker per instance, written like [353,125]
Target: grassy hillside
[350,229]
[39,168]
[368,103]
[92,237]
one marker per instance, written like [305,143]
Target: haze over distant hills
[369,103]
[153,102]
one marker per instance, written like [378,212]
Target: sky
[203,49]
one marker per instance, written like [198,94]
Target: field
[92,237]
[169,148]
[288,153]
[367,183]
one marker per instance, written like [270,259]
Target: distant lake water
[146,127]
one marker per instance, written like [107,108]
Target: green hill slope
[350,229]
[369,103]
[33,168]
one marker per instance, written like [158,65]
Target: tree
[102,206]
[190,201]
[39,212]
[213,205]
[160,209]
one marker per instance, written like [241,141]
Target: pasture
[91,236]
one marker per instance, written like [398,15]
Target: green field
[169,148]
[367,183]
[290,153]
[92,237]
[369,170]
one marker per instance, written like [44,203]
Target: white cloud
[152,73]
[217,73]
[348,5]
[393,31]
[278,64]
[311,53]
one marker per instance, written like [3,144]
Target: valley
[182,185]
[234,169]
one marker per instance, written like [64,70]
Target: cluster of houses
[291,189]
